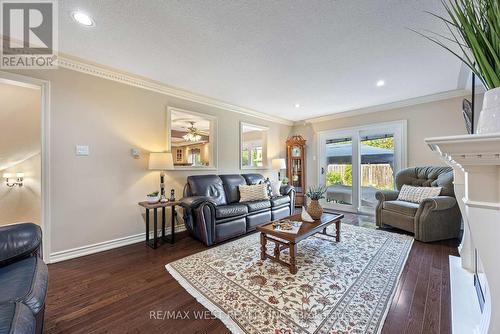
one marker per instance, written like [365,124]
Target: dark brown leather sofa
[213,212]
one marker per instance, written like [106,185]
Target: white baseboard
[104,246]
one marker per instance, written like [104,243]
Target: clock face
[296,150]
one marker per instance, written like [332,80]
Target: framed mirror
[253,146]
[192,139]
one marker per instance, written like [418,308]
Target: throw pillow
[253,192]
[417,194]
[269,187]
[275,187]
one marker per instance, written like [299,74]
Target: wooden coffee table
[283,240]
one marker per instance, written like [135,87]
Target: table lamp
[278,164]
[161,161]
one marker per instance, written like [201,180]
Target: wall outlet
[82,150]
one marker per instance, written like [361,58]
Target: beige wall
[22,204]
[20,153]
[439,118]
[94,198]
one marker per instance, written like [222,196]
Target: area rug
[344,287]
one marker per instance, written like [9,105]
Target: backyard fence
[376,175]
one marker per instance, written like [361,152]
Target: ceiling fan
[193,134]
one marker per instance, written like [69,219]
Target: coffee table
[283,240]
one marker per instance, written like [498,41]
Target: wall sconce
[18,182]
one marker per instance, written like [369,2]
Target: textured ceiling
[269,55]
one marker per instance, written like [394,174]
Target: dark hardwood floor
[118,291]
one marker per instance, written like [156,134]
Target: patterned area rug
[344,287]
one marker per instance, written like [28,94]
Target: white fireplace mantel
[476,163]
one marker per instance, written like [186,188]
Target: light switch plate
[82,150]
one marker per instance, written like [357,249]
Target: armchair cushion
[402,207]
[18,241]
[25,281]
[255,206]
[231,210]
[280,200]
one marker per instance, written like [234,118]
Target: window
[253,146]
[192,139]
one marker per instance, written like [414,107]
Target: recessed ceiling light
[380,83]
[82,18]
[297,105]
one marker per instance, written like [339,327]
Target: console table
[476,163]
[155,206]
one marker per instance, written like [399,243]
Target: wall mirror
[192,139]
[253,146]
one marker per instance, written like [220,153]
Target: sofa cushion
[231,184]
[405,208]
[25,281]
[207,185]
[16,318]
[254,206]
[230,210]
[254,178]
[279,201]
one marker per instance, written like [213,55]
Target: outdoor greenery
[316,193]
[474,27]
[338,178]
[387,143]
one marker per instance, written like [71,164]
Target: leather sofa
[435,218]
[23,279]
[213,211]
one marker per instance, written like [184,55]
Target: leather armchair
[433,219]
[213,211]
[23,279]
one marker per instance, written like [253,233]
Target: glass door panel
[297,174]
[377,166]
[338,173]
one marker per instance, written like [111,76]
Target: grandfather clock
[296,167]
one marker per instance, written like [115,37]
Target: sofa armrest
[386,195]
[286,189]
[19,241]
[439,203]
[195,201]
[199,217]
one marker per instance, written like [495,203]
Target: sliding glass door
[355,163]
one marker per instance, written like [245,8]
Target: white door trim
[44,87]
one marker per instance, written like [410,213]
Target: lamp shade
[278,164]
[161,161]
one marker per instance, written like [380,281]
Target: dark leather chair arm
[386,195]
[286,189]
[199,217]
[438,203]
[19,241]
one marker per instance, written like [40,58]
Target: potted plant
[474,27]
[284,181]
[153,197]
[314,209]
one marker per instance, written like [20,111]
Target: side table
[155,206]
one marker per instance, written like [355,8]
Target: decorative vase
[314,209]
[153,199]
[489,118]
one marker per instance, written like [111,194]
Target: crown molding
[389,106]
[79,65]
